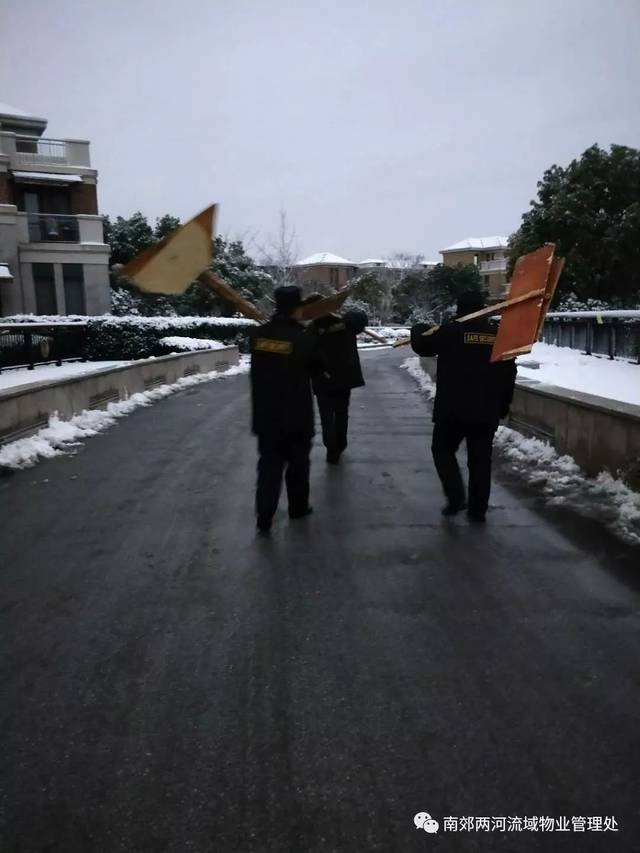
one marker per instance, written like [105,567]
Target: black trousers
[447,436]
[288,453]
[334,416]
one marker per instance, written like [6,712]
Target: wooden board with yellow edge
[173,263]
[520,321]
[321,307]
[226,292]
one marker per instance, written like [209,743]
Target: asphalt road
[172,683]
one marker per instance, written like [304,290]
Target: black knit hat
[469,301]
[287,298]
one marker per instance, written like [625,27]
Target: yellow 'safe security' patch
[272,345]
[477,338]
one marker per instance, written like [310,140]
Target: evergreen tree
[165,225]
[591,211]
[430,295]
[127,237]
[368,293]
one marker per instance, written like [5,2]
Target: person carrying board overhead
[472,395]
[337,342]
[283,354]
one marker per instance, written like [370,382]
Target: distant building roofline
[478,244]
[325,259]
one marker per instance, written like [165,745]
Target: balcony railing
[52,228]
[32,150]
[499,265]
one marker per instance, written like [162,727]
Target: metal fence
[40,150]
[28,344]
[605,333]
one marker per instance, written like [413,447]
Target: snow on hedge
[160,323]
[189,344]
[559,477]
[62,436]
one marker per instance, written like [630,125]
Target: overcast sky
[377,126]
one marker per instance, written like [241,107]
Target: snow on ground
[563,482]
[413,367]
[571,369]
[560,480]
[390,333]
[52,373]
[63,436]
[190,344]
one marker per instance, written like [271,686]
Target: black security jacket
[469,387]
[283,355]
[338,349]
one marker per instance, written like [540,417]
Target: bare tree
[280,253]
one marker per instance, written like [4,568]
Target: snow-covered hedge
[139,337]
[177,343]
[111,338]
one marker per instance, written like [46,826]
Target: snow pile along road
[559,479]
[62,436]
[563,482]
[572,369]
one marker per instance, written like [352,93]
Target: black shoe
[263,525]
[301,513]
[333,457]
[453,508]
[476,516]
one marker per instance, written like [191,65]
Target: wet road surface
[172,683]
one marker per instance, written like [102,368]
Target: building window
[74,298]
[486,281]
[45,287]
[333,276]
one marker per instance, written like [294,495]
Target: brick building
[324,271]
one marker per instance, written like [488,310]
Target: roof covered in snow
[373,262]
[477,243]
[324,258]
[5,272]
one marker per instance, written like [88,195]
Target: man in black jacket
[282,357]
[338,348]
[472,395]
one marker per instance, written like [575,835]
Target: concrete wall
[28,408]
[599,434]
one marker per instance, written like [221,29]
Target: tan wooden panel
[171,265]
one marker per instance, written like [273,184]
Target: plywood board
[518,329]
[171,265]
[226,292]
[322,307]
